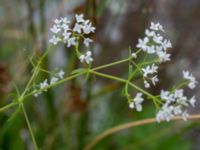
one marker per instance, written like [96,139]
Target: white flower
[55,29]
[77,28]
[71,41]
[65,20]
[86,58]
[192,101]
[61,74]
[177,110]
[79,18]
[143,43]
[150,49]
[87,41]
[88,28]
[53,80]
[154,80]
[131,105]
[165,95]
[44,84]
[149,70]
[57,21]
[192,81]
[156,26]
[54,40]
[66,36]
[158,39]
[138,101]
[149,33]
[163,56]
[166,44]
[146,84]
[185,115]
[82,58]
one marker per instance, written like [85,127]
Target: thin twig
[129,125]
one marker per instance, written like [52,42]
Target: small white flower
[166,44]
[53,80]
[185,115]
[146,84]
[149,33]
[87,41]
[54,40]
[143,43]
[88,28]
[192,81]
[82,58]
[154,80]
[66,36]
[192,101]
[158,39]
[138,102]
[156,27]
[86,58]
[61,74]
[77,28]
[65,20]
[131,105]
[44,84]
[79,18]
[55,29]
[163,56]
[149,70]
[71,41]
[150,49]
[57,21]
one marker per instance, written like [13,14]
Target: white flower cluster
[86,57]
[171,103]
[154,43]
[63,33]
[137,102]
[53,80]
[174,102]
[192,81]
[149,74]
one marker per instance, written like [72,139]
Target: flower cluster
[137,102]
[86,57]
[170,103]
[53,80]
[148,74]
[189,77]
[154,43]
[174,102]
[62,32]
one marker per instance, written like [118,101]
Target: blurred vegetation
[72,114]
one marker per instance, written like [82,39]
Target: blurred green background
[71,115]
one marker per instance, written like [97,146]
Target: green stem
[29,127]
[123,81]
[7,106]
[111,64]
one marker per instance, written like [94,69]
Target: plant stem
[29,127]
[111,64]
[7,107]
[129,125]
[124,81]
